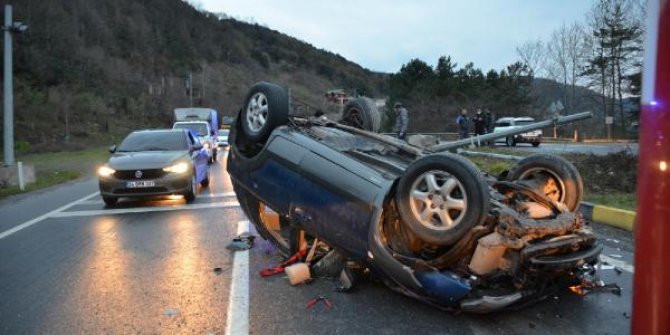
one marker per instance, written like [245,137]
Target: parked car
[533,137]
[431,225]
[152,163]
[222,139]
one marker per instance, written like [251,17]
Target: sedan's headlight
[105,171]
[180,167]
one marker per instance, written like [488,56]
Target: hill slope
[94,70]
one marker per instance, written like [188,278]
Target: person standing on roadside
[480,123]
[463,124]
[401,120]
[488,119]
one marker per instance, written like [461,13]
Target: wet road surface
[147,267]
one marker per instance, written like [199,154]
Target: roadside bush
[616,172]
[22,147]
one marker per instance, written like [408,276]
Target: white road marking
[203,195]
[144,209]
[45,216]
[238,303]
[619,263]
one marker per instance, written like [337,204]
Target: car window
[153,141]
[224,132]
[199,128]
[502,124]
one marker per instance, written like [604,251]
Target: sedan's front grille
[145,190]
[145,174]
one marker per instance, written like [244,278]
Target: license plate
[140,183]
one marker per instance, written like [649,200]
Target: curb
[615,217]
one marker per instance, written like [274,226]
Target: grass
[58,167]
[626,201]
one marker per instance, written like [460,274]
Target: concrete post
[22,183]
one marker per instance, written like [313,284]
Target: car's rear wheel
[442,196]
[269,224]
[110,201]
[510,141]
[536,144]
[189,196]
[361,113]
[552,176]
[265,108]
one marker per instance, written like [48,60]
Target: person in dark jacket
[401,120]
[463,124]
[488,118]
[480,123]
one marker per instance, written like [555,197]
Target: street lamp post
[9,27]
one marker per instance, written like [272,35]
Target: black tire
[553,176]
[536,144]
[265,108]
[189,195]
[469,197]
[510,141]
[110,201]
[286,239]
[214,153]
[363,114]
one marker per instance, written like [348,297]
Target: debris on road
[315,300]
[280,268]
[244,241]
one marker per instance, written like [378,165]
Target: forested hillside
[89,71]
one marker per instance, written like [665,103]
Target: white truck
[203,122]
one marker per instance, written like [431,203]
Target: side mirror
[112,149]
[196,147]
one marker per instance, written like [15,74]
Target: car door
[199,157]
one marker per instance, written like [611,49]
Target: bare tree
[565,56]
[532,53]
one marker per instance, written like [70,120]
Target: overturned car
[427,222]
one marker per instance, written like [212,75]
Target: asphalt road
[70,266]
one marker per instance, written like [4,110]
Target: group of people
[482,121]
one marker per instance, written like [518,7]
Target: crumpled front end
[527,246]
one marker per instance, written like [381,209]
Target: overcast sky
[382,35]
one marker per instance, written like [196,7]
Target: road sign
[609,120]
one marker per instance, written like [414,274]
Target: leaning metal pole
[8,92]
[556,121]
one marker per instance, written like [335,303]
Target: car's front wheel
[189,196]
[441,197]
[510,141]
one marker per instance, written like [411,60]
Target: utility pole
[190,88]
[9,27]
[9,90]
